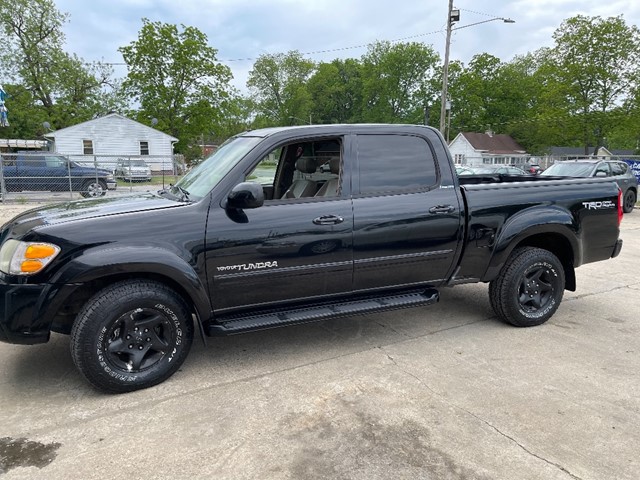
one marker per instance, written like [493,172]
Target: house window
[144,148]
[87,147]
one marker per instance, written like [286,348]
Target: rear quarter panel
[579,216]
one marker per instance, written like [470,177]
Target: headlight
[26,258]
[110,177]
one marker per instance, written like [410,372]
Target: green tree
[175,77]
[278,85]
[25,116]
[32,55]
[397,81]
[595,62]
[336,92]
[474,95]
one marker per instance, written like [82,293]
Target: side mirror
[601,174]
[246,195]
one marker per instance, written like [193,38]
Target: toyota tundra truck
[284,226]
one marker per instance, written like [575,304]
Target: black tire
[131,335]
[529,288]
[629,201]
[93,189]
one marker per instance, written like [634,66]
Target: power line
[313,52]
[341,49]
[478,13]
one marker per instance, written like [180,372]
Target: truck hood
[83,209]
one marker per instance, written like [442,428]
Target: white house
[105,139]
[486,148]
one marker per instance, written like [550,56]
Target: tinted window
[603,168]
[618,168]
[391,163]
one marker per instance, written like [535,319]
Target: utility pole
[452,17]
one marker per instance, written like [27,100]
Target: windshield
[569,169]
[199,181]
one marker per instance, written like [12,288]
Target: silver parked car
[585,167]
[132,170]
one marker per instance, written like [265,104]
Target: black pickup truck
[284,226]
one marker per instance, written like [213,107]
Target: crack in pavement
[584,295]
[490,425]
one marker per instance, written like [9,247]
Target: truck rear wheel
[131,335]
[93,188]
[529,288]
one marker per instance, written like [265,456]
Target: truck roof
[332,128]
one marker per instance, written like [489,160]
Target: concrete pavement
[440,392]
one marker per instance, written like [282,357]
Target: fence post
[3,191]
[69,176]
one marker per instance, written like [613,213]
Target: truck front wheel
[529,288]
[131,335]
[93,188]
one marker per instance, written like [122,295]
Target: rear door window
[395,164]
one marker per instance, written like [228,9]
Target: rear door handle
[328,220]
[442,209]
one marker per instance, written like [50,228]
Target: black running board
[239,323]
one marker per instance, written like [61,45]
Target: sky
[242,30]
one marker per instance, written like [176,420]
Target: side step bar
[239,323]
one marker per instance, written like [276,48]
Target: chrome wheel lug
[140,347]
[128,337]
[130,346]
[148,339]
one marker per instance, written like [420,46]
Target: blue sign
[634,165]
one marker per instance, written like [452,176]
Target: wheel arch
[560,246]
[85,275]
[551,229]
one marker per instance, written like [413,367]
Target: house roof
[491,143]
[102,119]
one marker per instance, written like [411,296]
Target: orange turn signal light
[38,250]
[31,266]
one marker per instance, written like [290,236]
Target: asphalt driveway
[440,392]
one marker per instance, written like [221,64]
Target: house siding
[113,136]
[463,153]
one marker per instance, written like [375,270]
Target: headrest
[334,165]
[306,165]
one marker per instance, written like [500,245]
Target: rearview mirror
[246,195]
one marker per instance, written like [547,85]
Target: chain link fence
[48,176]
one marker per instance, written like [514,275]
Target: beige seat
[303,187]
[331,186]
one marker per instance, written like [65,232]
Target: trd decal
[598,205]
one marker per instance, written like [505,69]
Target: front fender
[102,262]
[550,222]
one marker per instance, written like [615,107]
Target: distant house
[105,139]
[487,148]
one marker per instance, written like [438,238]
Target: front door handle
[442,209]
[328,220]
